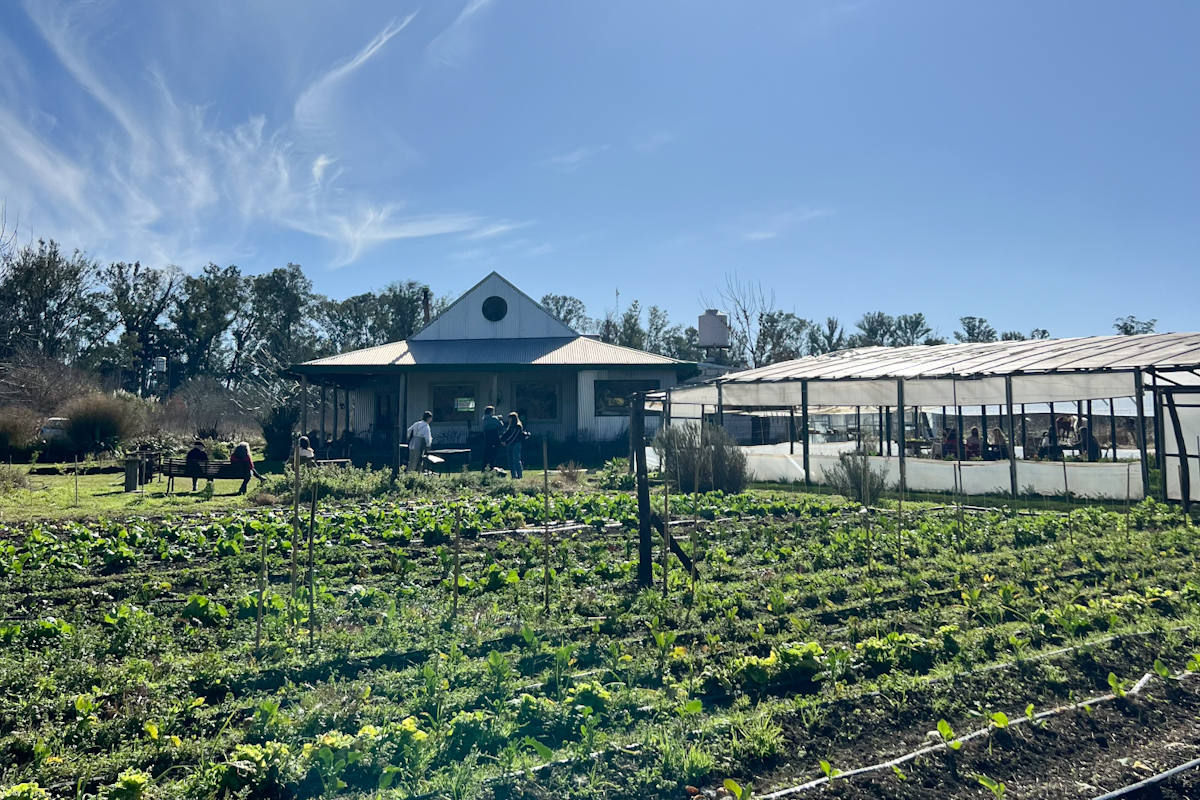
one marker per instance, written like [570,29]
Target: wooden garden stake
[546,494]
[262,586]
[696,506]
[312,581]
[77,481]
[296,533]
[666,555]
[1128,478]
[457,550]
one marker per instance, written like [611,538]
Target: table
[444,455]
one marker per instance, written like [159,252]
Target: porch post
[322,423]
[303,405]
[398,433]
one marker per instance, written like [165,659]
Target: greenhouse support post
[1024,434]
[1012,443]
[791,430]
[804,429]
[1053,433]
[902,449]
[1185,483]
[1139,392]
[720,406]
[1112,425]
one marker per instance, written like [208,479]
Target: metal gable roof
[579,351]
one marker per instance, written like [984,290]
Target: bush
[277,426]
[722,463]
[854,479]
[100,422]
[13,478]
[18,431]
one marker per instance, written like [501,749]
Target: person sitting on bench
[196,456]
[304,451]
[241,455]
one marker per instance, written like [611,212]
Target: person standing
[493,426]
[420,439]
[512,439]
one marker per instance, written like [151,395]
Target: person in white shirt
[420,439]
[304,450]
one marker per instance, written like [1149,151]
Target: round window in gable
[494,308]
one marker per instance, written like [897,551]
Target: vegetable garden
[1015,654]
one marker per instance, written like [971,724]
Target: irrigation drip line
[1016,719]
[1152,780]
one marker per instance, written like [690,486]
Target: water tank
[713,329]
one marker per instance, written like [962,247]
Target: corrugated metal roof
[1160,351]
[557,352]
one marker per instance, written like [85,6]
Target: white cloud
[497,229]
[761,227]
[164,181]
[451,47]
[646,144]
[541,250]
[571,161]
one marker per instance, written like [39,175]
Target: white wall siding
[464,319]
[605,428]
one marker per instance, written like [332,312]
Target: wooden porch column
[322,423]
[303,405]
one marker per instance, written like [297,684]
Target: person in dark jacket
[1087,445]
[493,426]
[512,438]
[195,457]
[241,455]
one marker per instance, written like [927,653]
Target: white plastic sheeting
[1044,478]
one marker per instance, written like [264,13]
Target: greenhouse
[1010,417]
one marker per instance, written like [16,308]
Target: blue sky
[1033,163]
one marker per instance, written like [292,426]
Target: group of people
[997,448]
[495,434]
[240,455]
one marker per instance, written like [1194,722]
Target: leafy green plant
[1117,685]
[947,734]
[204,610]
[131,785]
[829,770]
[997,788]
[738,791]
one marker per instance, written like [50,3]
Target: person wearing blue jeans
[512,438]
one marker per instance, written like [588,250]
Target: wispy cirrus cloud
[653,141]
[569,162]
[167,181]
[497,229]
[452,45]
[761,227]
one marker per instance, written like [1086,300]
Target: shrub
[277,425]
[13,478]
[570,472]
[722,463]
[100,422]
[18,430]
[854,479]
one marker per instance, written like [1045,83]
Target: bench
[209,470]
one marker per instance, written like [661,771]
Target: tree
[1132,326]
[400,312]
[49,301]
[876,329]
[283,303]
[826,339]
[138,298]
[203,312]
[975,329]
[780,337]
[1017,336]
[911,330]
[351,324]
[631,333]
[568,310]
